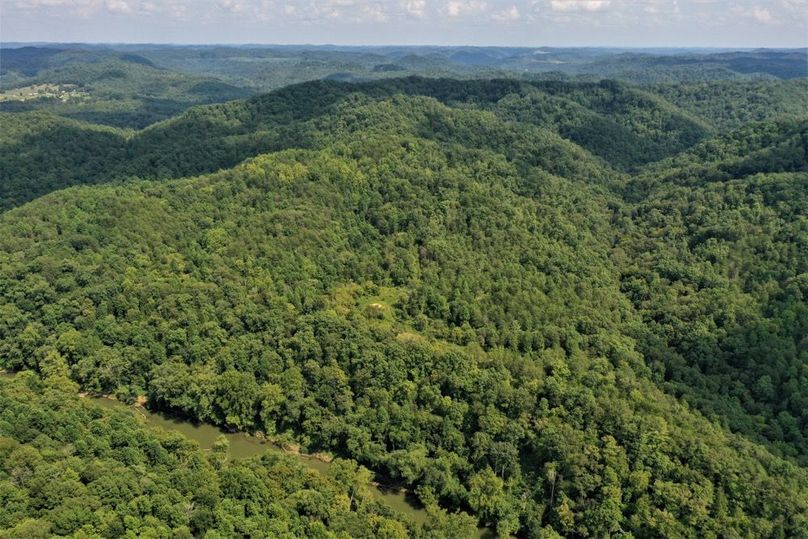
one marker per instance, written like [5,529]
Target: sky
[619,23]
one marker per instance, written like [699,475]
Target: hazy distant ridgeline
[269,66]
[98,85]
[134,86]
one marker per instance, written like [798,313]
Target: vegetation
[545,307]
[623,126]
[730,105]
[40,152]
[117,89]
[129,86]
[116,478]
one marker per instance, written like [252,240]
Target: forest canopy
[545,307]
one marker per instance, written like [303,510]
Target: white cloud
[766,22]
[233,6]
[507,15]
[758,14]
[374,12]
[51,3]
[800,6]
[761,15]
[119,6]
[416,8]
[461,7]
[87,8]
[392,11]
[579,5]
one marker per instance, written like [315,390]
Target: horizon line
[487,46]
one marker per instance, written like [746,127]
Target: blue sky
[658,23]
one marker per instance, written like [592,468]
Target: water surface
[245,446]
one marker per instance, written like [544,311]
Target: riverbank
[290,448]
[246,445]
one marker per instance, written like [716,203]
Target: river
[243,446]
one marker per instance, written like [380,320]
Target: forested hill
[732,104]
[69,467]
[561,308]
[119,89]
[621,125]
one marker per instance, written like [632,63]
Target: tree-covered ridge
[590,114]
[69,468]
[41,152]
[624,126]
[457,314]
[122,90]
[718,263]
[760,147]
[718,274]
[266,68]
[739,66]
[731,104]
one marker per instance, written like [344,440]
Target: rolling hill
[622,126]
[117,89]
[561,308]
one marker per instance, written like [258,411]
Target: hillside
[40,153]
[270,67]
[478,290]
[122,478]
[122,90]
[730,105]
[622,126]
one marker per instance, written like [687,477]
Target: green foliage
[71,468]
[119,90]
[718,275]
[729,105]
[40,153]
[526,122]
[447,282]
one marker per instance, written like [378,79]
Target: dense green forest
[270,67]
[729,105]
[131,86]
[116,478]
[115,89]
[545,306]
[622,126]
